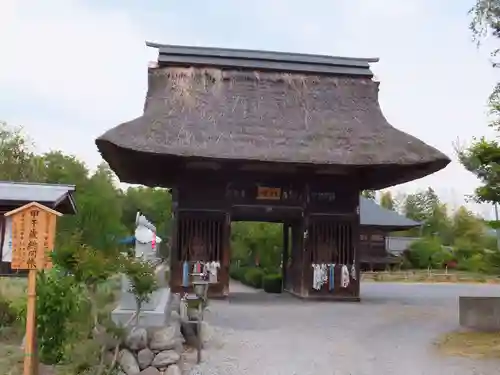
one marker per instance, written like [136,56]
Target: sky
[70,69]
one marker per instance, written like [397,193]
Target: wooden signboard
[33,234]
[268,193]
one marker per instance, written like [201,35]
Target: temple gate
[266,136]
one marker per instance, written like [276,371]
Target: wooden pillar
[296,260]
[356,253]
[285,254]
[226,254]
[305,263]
[175,252]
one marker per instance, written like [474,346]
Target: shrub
[253,277]
[475,263]
[58,301]
[238,273]
[422,252]
[272,283]
[8,314]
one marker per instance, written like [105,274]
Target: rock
[179,348]
[145,358]
[128,363]
[150,371]
[173,370]
[165,338]
[165,358]
[137,339]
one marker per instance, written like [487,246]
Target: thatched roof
[319,114]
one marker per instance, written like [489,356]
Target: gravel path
[390,332]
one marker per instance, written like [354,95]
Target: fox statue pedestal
[156,311]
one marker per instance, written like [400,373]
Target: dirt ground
[393,331]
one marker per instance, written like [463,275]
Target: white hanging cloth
[344,277]
[7,243]
[353,271]
[213,269]
[320,275]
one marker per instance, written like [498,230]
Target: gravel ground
[390,332]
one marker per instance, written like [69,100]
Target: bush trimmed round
[272,283]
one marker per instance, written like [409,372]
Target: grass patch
[434,276]
[470,344]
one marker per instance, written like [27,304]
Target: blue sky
[72,69]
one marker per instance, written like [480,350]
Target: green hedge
[272,283]
[257,278]
[253,277]
[238,273]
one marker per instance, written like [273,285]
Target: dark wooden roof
[374,215]
[55,196]
[264,107]
[170,55]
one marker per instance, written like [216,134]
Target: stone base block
[479,313]
[157,317]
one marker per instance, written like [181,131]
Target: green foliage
[252,241]
[8,314]
[253,277]
[58,300]
[482,158]
[238,273]
[387,201]
[370,194]
[423,252]
[142,280]
[272,283]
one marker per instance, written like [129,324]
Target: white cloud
[76,58]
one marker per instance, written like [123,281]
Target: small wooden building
[16,194]
[254,135]
[376,223]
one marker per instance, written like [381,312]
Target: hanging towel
[185,274]
[317,277]
[332,276]
[344,277]
[353,271]
[213,270]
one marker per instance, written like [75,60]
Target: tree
[17,161]
[370,194]
[426,208]
[482,156]
[387,201]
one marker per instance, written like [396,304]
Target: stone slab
[157,317]
[479,313]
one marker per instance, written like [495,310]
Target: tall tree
[387,201]
[17,160]
[482,156]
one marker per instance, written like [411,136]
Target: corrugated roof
[371,214]
[52,194]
